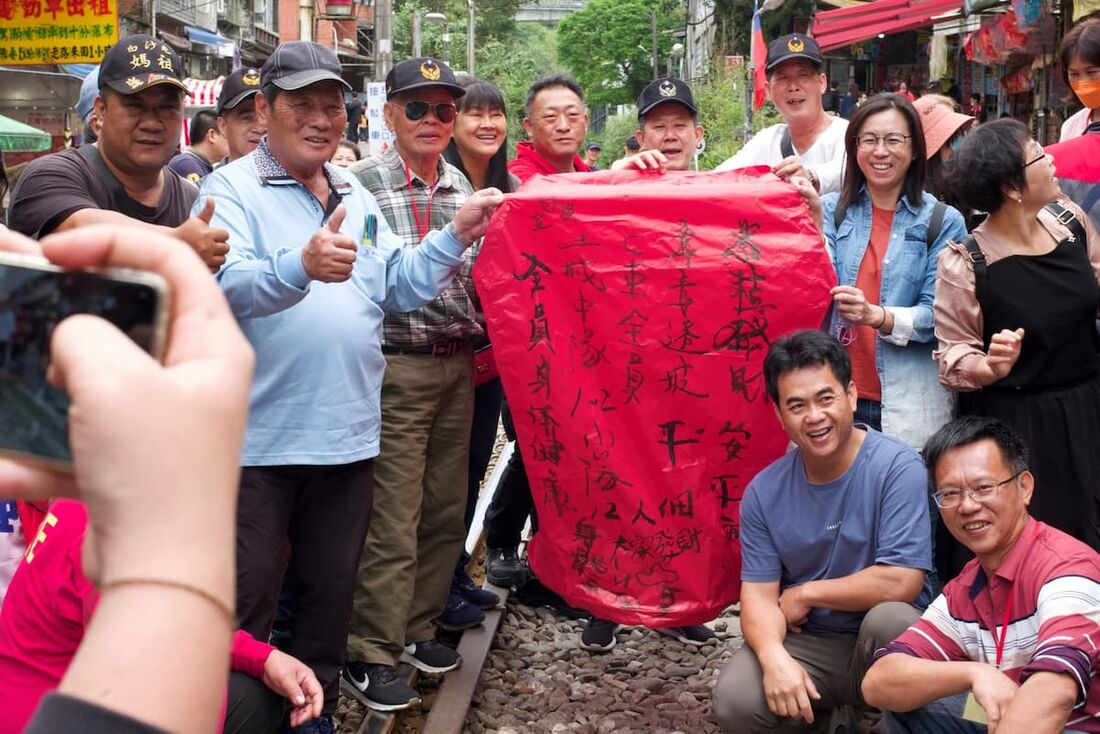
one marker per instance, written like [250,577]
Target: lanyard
[1000,643]
[421,227]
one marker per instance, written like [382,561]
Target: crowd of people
[312,448]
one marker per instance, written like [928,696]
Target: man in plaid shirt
[417,530]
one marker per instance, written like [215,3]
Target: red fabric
[46,611]
[1077,158]
[529,162]
[31,516]
[631,313]
[869,280]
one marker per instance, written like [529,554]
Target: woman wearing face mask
[1080,57]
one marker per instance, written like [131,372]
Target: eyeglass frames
[417,110]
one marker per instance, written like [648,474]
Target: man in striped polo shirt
[1012,640]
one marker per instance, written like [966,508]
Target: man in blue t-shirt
[835,543]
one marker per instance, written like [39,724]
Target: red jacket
[529,162]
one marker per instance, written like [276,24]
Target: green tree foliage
[606,46]
[494,22]
[733,20]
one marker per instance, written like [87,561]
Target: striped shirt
[453,315]
[1054,581]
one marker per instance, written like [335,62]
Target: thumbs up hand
[329,256]
[211,243]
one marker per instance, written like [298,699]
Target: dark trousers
[507,513]
[483,434]
[321,514]
[252,707]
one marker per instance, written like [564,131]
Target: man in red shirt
[556,120]
[1013,639]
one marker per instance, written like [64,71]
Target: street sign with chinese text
[56,31]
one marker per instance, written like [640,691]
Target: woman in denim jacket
[877,233]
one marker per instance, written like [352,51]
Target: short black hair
[801,349]
[1082,40]
[971,429]
[854,179]
[203,122]
[555,80]
[976,95]
[353,147]
[632,143]
[992,155]
[270,93]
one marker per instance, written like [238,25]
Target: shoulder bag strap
[785,145]
[935,224]
[1068,218]
[981,272]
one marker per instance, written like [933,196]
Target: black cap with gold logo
[238,87]
[138,62]
[421,72]
[793,46]
[665,89]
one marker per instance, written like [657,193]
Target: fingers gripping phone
[34,297]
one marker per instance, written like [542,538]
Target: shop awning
[18,137]
[845,26]
[177,42]
[222,46]
[202,92]
[45,91]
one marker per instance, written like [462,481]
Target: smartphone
[34,297]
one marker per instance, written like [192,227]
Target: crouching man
[1012,640]
[835,545]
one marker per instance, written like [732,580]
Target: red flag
[758,58]
[630,315]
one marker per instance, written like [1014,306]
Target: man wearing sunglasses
[1012,640]
[417,528]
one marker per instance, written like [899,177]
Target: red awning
[836,28]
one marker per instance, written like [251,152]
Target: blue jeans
[869,412]
[943,716]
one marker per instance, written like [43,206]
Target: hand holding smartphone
[34,297]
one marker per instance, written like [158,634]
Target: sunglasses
[417,110]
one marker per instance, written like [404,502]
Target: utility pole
[653,40]
[383,38]
[416,34]
[470,37]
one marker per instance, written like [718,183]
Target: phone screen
[33,415]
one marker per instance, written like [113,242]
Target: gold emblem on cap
[430,71]
[133,82]
[251,78]
[796,45]
[666,89]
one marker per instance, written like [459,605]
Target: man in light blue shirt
[312,268]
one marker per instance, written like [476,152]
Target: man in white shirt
[808,142]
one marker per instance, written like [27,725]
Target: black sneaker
[695,635]
[377,686]
[459,615]
[431,656]
[504,568]
[465,587]
[599,635]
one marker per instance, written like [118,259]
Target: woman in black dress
[1015,316]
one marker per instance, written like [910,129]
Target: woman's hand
[809,193]
[1004,351]
[852,305]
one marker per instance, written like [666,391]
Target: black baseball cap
[665,89]
[298,64]
[138,62]
[593,146]
[237,87]
[419,73]
[793,46]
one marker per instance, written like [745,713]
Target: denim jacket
[914,404]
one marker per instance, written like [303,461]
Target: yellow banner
[56,31]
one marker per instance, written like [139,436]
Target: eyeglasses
[1042,156]
[416,110]
[892,141]
[948,497]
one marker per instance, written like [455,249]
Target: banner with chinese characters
[630,314]
[56,31]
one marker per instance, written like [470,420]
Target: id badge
[973,710]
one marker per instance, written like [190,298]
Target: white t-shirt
[1075,125]
[825,156]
